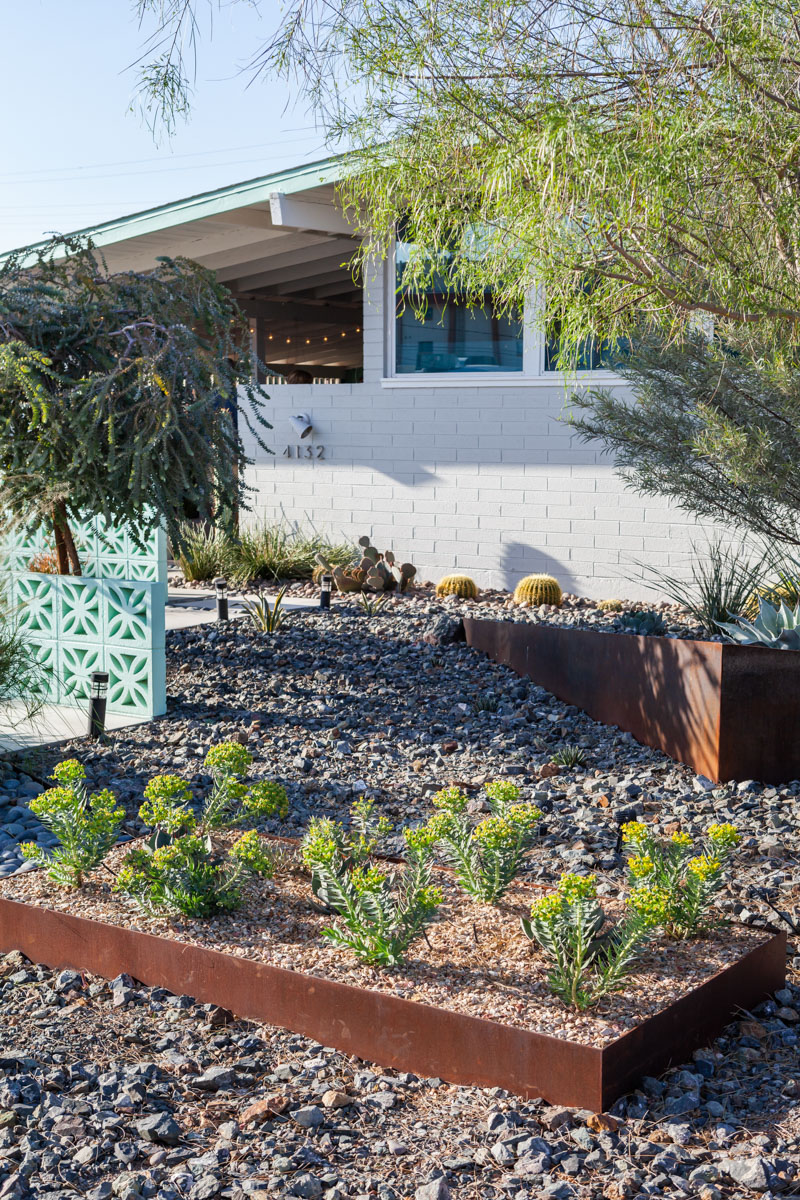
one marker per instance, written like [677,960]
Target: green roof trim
[208,204]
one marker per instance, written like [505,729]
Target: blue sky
[73,153]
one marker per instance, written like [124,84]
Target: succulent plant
[610,605]
[778,628]
[457,585]
[375,572]
[646,621]
[538,589]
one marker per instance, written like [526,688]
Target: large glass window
[592,354]
[451,337]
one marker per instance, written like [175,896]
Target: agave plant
[778,628]
[265,617]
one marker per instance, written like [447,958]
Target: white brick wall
[486,480]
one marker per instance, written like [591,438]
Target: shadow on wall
[518,559]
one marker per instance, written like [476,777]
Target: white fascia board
[291,213]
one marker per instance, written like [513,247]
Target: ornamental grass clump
[678,875]
[87,826]
[485,857]
[380,914]
[588,961]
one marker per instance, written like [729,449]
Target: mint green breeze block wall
[109,619]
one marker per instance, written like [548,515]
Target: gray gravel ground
[336,707]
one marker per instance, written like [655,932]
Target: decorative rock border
[730,712]
[402,1033]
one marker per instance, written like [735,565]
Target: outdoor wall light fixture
[301,424]
[221,592]
[326,583]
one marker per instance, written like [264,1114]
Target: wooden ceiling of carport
[296,281]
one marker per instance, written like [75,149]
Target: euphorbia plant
[230,799]
[87,826]
[328,843]
[189,877]
[588,963]
[486,857]
[381,913]
[182,868]
[685,875]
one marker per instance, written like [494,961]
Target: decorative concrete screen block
[110,618]
[105,552]
[83,625]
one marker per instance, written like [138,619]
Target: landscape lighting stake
[325,591]
[221,589]
[98,695]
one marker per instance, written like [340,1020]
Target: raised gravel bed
[472,1007]
[730,712]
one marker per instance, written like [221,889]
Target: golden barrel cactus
[538,589]
[457,585]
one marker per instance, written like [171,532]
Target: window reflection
[451,337]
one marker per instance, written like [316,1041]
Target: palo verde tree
[117,393]
[635,159]
[713,432]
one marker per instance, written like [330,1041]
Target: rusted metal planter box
[731,712]
[401,1033]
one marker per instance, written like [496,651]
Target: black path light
[326,583]
[98,697]
[221,591]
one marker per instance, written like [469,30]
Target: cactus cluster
[457,585]
[538,589]
[375,572]
[610,605]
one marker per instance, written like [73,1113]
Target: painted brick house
[443,439]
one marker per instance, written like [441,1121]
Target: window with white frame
[451,339]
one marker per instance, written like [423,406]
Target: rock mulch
[116,1090]
[339,706]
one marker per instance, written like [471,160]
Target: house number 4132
[304,452]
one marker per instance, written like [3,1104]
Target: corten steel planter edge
[729,712]
[386,1029]
[694,1019]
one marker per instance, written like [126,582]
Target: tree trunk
[65,543]
[61,545]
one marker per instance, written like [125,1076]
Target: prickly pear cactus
[376,572]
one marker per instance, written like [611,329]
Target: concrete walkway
[187,607]
[53,723]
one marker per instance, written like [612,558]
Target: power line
[127,162]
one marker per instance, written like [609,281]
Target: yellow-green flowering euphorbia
[87,826]
[671,873]
[485,857]
[588,962]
